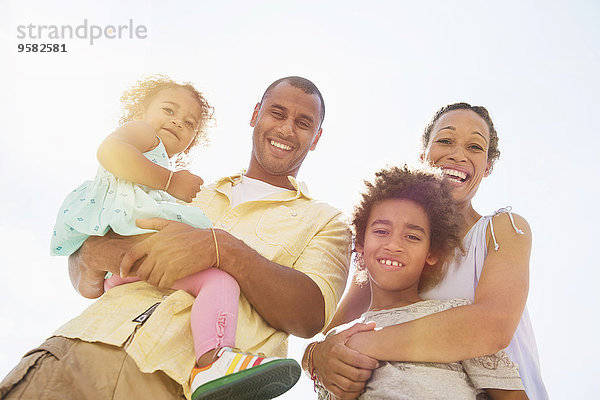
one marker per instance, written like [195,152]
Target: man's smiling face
[287,125]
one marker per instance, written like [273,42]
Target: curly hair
[493,150]
[138,96]
[424,186]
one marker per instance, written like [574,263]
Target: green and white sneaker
[238,376]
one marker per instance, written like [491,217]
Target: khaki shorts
[71,369]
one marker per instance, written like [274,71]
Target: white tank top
[461,280]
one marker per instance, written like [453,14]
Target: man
[289,254]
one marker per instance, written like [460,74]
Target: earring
[361,276]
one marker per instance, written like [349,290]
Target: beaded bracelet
[311,368]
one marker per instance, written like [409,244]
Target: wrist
[230,252]
[310,366]
[216,244]
[169,179]
[307,361]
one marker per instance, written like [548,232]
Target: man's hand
[344,372]
[98,254]
[184,185]
[177,250]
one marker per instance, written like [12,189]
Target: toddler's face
[396,249]
[175,114]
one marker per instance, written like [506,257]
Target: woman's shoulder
[506,219]
[506,226]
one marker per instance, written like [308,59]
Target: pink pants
[215,310]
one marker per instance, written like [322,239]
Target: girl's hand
[344,372]
[185,185]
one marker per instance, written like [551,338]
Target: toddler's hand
[185,185]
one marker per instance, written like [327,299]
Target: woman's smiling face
[459,144]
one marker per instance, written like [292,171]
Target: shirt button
[223,225]
[294,214]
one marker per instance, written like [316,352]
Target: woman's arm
[498,394]
[354,303]
[479,329]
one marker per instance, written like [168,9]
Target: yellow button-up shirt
[288,228]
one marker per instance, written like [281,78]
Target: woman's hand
[343,371]
[184,185]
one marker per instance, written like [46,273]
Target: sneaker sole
[263,382]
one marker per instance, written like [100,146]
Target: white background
[384,68]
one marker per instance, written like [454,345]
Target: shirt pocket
[286,228]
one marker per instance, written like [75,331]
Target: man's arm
[287,298]
[98,254]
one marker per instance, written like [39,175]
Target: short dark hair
[426,187]
[301,83]
[493,151]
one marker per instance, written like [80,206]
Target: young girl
[164,119]
[406,227]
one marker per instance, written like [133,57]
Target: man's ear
[254,115]
[316,140]
[431,259]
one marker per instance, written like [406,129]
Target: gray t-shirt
[457,380]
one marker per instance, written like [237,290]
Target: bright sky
[383,68]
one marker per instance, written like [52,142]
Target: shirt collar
[300,187]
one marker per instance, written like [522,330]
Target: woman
[494,274]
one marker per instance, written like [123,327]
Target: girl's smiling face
[395,251]
[459,145]
[174,114]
